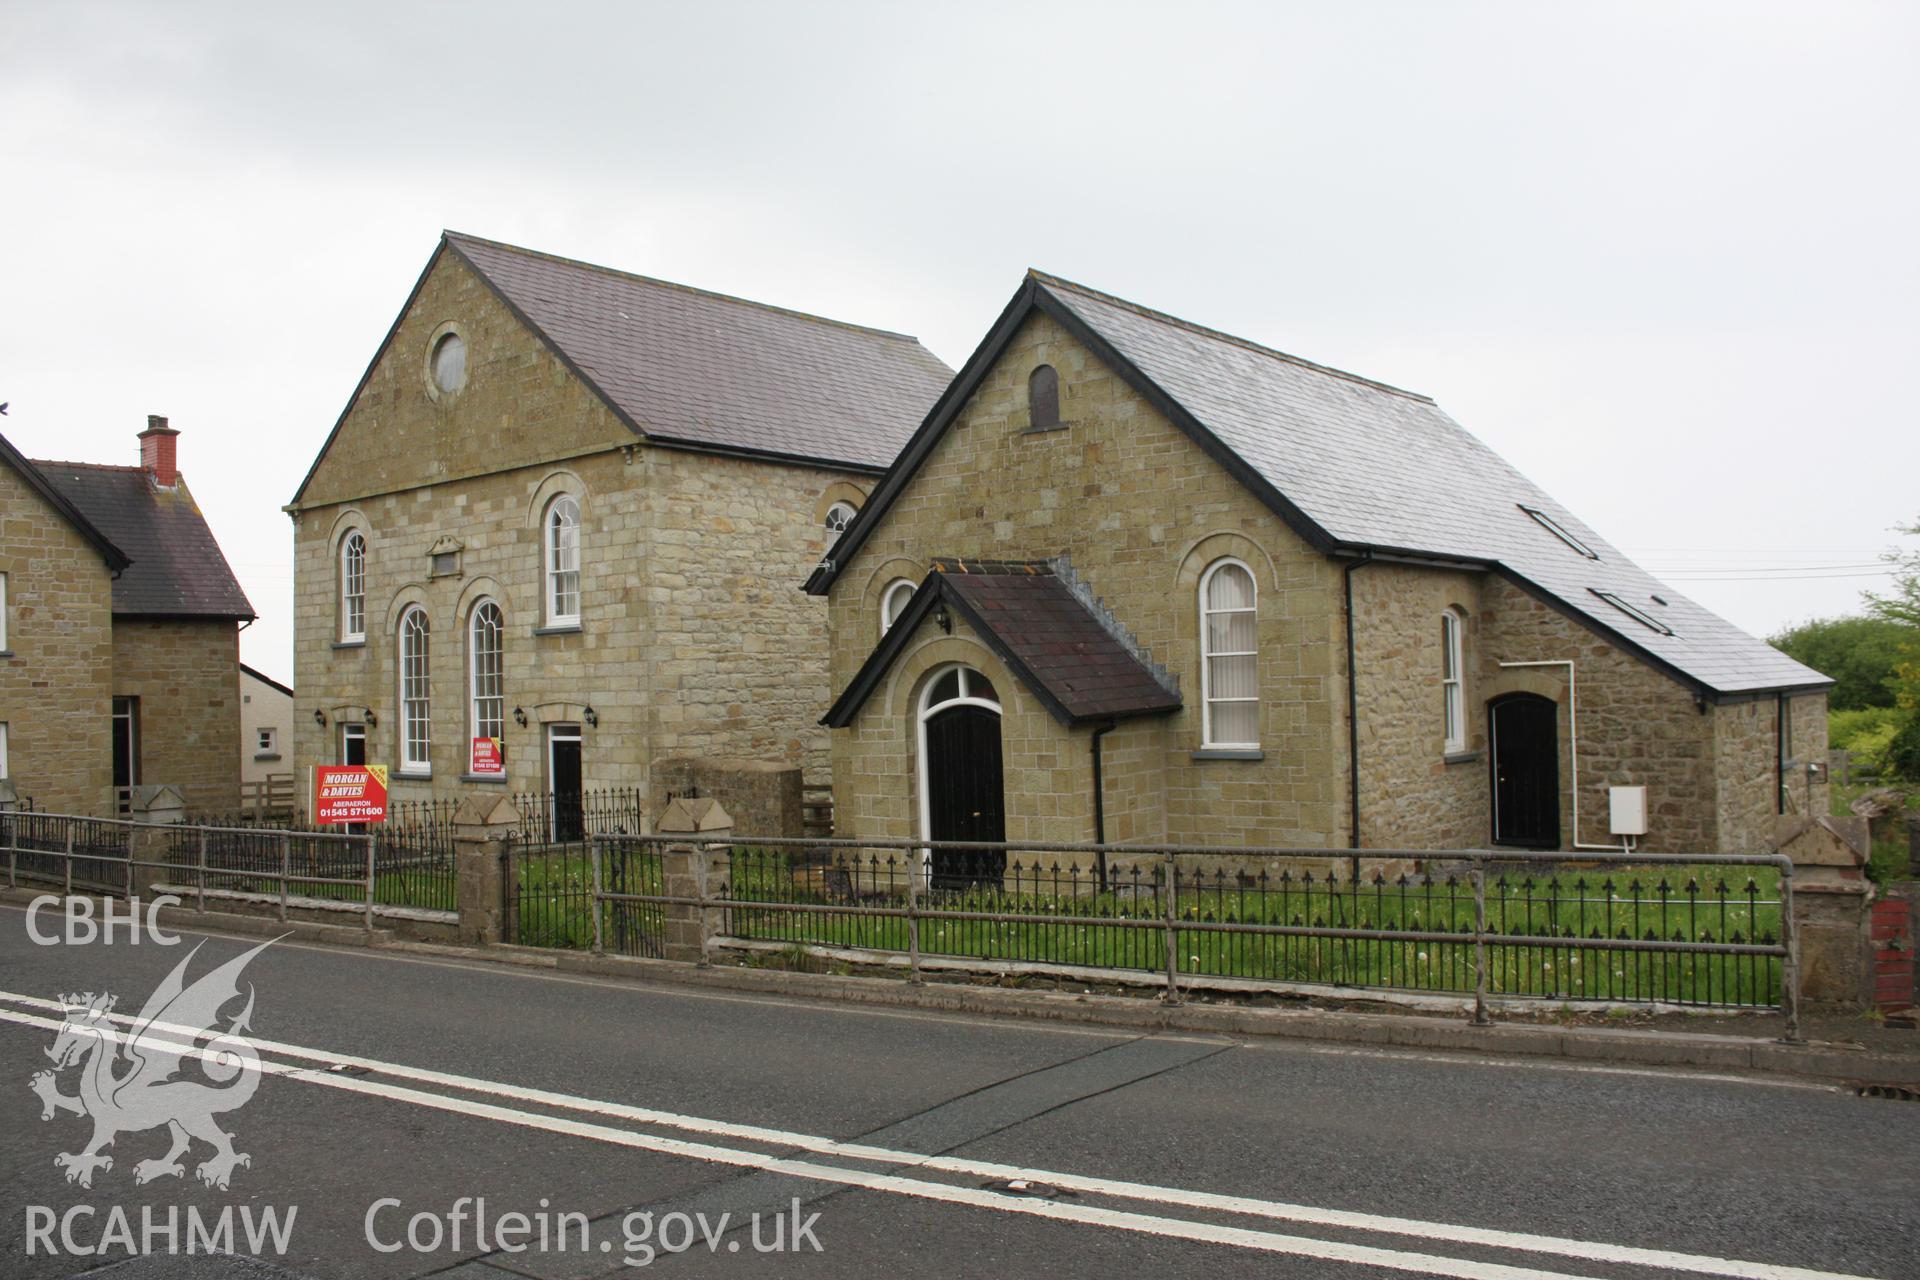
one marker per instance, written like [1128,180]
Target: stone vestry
[119,644]
[1264,602]
[554,537]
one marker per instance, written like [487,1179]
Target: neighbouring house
[554,536]
[266,737]
[1139,580]
[119,645]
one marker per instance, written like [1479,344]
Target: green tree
[1902,606]
[1861,654]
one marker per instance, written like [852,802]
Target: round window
[450,363]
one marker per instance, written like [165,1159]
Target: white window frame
[559,561]
[264,739]
[4,766]
[1206,675]
[902,587]
[1453,689]
[478,717]
[3,613]
[353,603]
[420,700]
[841,506]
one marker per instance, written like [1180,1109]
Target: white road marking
[1180,1228]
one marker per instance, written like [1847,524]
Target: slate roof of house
[177,568]
[1355,465]
[1059,642]
[682,365]
[37,480]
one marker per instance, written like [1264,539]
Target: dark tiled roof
[37,480]
[177,569]
[683,365]
[1061,645]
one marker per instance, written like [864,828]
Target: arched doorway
[1524,732]
[962,795]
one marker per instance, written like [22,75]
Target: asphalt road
[395,1086]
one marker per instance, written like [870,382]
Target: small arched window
[892,601]
[353,587]
[958,685]
[1229,657]
[839,516]
[561,560]
[416,694]
[486,683]
[1452,681]
[1043,398]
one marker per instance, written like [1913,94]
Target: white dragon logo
[128,1084]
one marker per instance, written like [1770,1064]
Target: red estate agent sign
[486,756]
[349,793]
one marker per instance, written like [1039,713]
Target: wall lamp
[942,618]
[320,717]
[520,717]
[366,714]
[591,716]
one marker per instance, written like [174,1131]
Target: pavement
[406,1098]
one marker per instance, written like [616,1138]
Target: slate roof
[682,365]
[36,479]
[177,568]
[1034,615]
[1355,466]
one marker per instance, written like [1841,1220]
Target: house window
[839,516]
[1229,657]
[892,601]
[4,766]
[263,741]
[1559,531]
[450,363]
[562,541]
[3,613]
[126,752]
[1043,399]
[486,678]
[1453,688]
[353,587]
[1640,616]
[416,698]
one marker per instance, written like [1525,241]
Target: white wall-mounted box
[1627,810]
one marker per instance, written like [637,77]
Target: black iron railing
[552,892]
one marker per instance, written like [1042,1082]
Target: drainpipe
[1573,737]
[1100,805]
[1353,722]
[1779,753]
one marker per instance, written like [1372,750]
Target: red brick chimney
[157,452]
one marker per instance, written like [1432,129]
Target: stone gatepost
[163,805]
[1831,894]
[693,868]
[483,832]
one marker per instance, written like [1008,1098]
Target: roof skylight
[1640,616]
[1554,527]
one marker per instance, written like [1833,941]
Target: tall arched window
[562,560]
[1229,657]
[892,601]
[1452,686]
[486,686]
[353,587]
[1043,398]
[416,696]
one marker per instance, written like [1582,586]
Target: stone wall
[1747,755]
[186,674]
[761,796]
[56,668]
[694,636]
[1141,511]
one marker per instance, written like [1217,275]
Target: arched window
[839,516]
[486,686]
[562,560]
[1229,657]
[353,587]
[1452,685]
[1043,398]
[416,695]
[892,601]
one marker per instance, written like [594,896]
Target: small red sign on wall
[349,793]
[487,756]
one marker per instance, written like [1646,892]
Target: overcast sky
[1665,258]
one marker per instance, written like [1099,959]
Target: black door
[1526,770]
[353,750]
[563,775]
[964,796]
[126,751]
